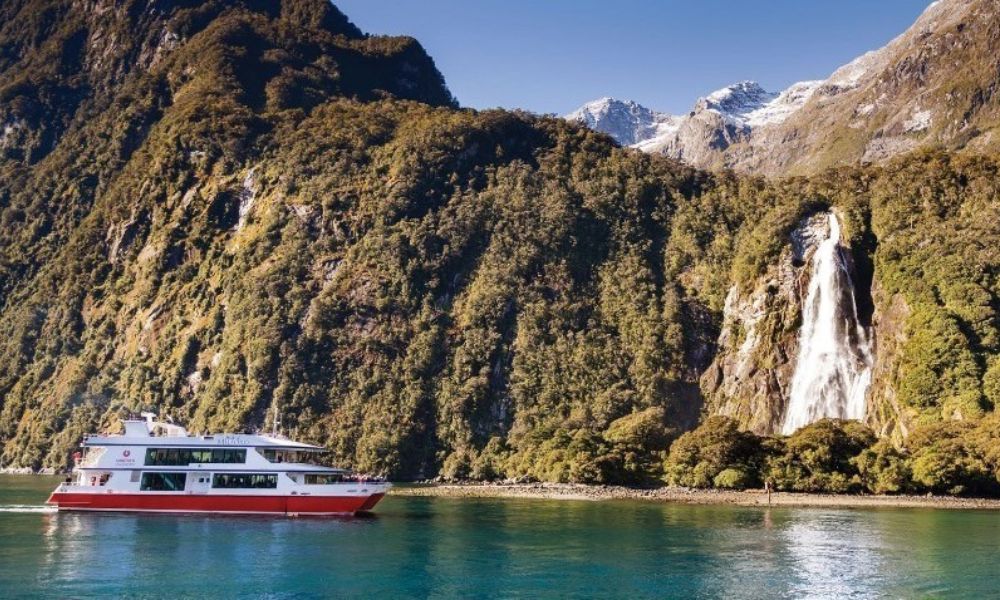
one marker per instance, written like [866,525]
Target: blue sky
[553,55]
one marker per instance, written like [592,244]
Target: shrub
[579,456]
[991,382]
[491,462]
[945,461]
[458,465]
[699,457]
[883,469]
[732,479]
[644,429]
[984,442]
[817,458]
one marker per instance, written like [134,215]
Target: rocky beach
[681,495]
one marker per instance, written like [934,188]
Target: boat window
[163,482]
[228,455]
[185,456]
[244,480]
[99,479]
[288,456]
[323,478]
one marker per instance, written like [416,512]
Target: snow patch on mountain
[849,75]
[626,121]
[746,127]
[738,101]
[745,112]
[784,105]
[741,106]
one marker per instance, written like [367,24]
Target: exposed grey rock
[750,378]
[919,90]
[626,121]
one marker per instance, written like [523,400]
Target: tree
[883,469]
[700,456]
[818,457]
[945,461]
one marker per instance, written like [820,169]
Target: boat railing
[357,478]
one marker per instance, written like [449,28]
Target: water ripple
[27,508]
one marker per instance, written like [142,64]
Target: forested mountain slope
[227,211]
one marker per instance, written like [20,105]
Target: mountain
[627,122]
[933,86]
[723,118]
[61,65]
[234,212]
[229,211]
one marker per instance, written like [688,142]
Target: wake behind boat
[160,467]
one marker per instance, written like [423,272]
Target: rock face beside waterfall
[834,365]
[750,378]
[754,373]
[751,374]
[886,415]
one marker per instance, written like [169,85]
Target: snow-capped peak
[737,100]
[743,105]
[740,124]
[626,121]
[592,112]
[596,106]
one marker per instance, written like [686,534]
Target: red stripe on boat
[147,502]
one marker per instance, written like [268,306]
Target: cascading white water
[834,366]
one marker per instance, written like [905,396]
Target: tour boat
[159,467]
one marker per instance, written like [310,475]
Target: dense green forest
[232,211]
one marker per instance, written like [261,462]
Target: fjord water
[486,548]
[834,366]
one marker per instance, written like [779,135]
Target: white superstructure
[159,466]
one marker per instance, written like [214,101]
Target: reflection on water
[26,508]
[418,547]
[833,555]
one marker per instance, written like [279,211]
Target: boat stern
[56,495]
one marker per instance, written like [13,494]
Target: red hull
[181,503]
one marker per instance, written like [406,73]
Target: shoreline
[678,495]
[666,495]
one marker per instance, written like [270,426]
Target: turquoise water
[440,547]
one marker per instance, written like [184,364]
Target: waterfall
[834,366]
